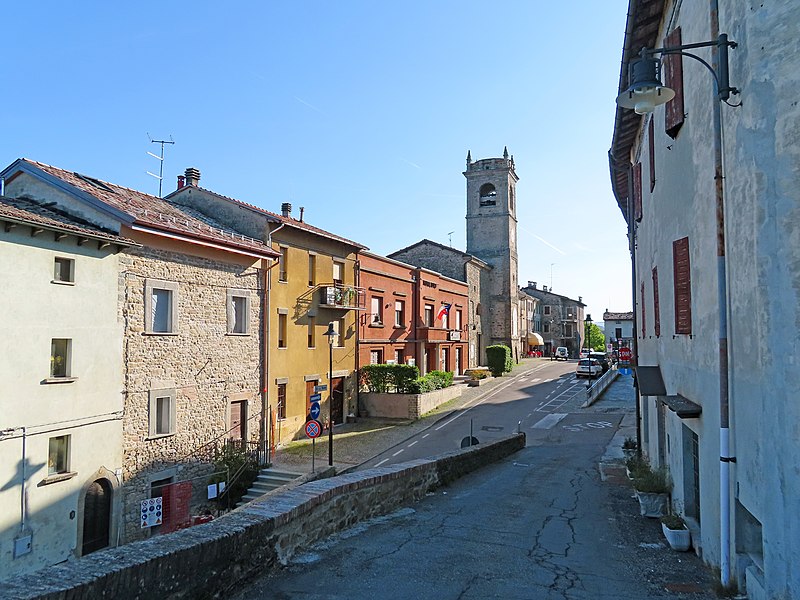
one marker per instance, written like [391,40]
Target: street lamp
[588,331]
[330,334]
[644,93]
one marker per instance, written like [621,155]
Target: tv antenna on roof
[450,236]
[160,175]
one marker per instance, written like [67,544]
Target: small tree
[500,359]
[597,340]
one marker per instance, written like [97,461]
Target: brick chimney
[192,176]
[181,181]
[286,209]
[532,284]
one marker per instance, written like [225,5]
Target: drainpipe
[266,414]
[725,457]
[357,284]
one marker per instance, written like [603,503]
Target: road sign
[320,388]
[625,370]
[315,397]
[313,429]
[625,354]
[314,410]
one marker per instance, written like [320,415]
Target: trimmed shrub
[403,376]
[500,359]
[388,378]
[420,385]
[440,379]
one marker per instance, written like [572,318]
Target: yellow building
[312,286]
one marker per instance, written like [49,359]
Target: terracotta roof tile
[617,316]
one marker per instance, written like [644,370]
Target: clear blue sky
[360,111]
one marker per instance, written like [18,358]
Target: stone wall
[404,406]
[214,559]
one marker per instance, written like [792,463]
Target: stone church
[489,265]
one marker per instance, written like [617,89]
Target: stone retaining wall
[212,560]
[405,406]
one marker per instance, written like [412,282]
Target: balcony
[342,297]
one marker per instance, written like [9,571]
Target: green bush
[441,379]
[420,385]
[500,359]
[229,461]
[388,378]
[654,481]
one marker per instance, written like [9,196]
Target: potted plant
[636,465]
[629,447]
[652,490]
[676,532]
[477,377]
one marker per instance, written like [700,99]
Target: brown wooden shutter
[637,191]
[683,286]
[656,309]
[651,135]
[644,321]
[673,78]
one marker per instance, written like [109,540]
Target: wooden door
[96,516]
[337,400]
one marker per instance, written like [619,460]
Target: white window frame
[173,288]
[338,266]
[53,465]
[399,313]
[153,397]
[232,295]
[376,310]
[69,278]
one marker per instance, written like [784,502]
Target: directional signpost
[313,430]
[314,411]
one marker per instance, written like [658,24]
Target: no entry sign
[313,428]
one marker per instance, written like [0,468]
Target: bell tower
[492,237]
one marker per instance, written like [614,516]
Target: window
[637,191]
[238,312]
[284,264]
[58,455]
[281,409]
[376,357]
[651,135]
[399,313]
[673,67]
[683,286]
[237,420]
[445,312]
[429,315]
[656,310]
[399,357]
[60,358]
[644,313]
[458,319]
[282,323]
[338,272]
[312,326]
[618,333]
[162,412]
[547,309]
[64,270]
[312,269]
[546,327]
[568,330]
[160,306]
[341,331]
[376,311]
[488,195]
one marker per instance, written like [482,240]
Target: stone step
[266,481]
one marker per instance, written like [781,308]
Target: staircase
[267,480]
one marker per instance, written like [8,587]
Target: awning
[650,381]
[683,407]
[535,339]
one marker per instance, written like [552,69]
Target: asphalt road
[538,525]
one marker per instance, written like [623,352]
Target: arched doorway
[96,516]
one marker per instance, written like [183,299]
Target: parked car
[584,353]
[562,353]
[602,358]
[588,367]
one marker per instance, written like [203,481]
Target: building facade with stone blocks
[313,286]
[61,400]
[462,267]
[190,296]
[562,319]
[414,316]
[708,186]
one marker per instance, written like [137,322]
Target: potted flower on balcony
[676,532]
[652,490]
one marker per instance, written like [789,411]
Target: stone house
[707,183]
[530,321]
[462,267]
[415,316]
[618,329]
[562,319]
[61,431]
[190,296]
[313,286]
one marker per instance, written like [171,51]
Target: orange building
[413,316]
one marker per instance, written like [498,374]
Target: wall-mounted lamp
[645,90]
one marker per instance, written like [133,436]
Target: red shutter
[644,321]
[651,135]
[683,286]
[656,309]
[637,191]
[673,78]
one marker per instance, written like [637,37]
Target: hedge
[499,359]
[389,378]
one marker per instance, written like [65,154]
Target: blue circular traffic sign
[313,428]
[315,410]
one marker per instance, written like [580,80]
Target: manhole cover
[491,428]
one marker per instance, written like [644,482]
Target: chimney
[532,284]
[580,298]
[302,210]
[544,288]
[286,209]
[181,181]
[192,176]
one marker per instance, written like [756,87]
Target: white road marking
[380,463]
[549,421]
[412,443]
[426,435]
[398,452]
[537,379]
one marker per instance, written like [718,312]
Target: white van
[562,352]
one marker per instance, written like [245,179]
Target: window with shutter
[673,70]
[683,286]
[656,309]
[644,322]
[637,191]
[651,137]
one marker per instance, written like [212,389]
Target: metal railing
[594,391]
